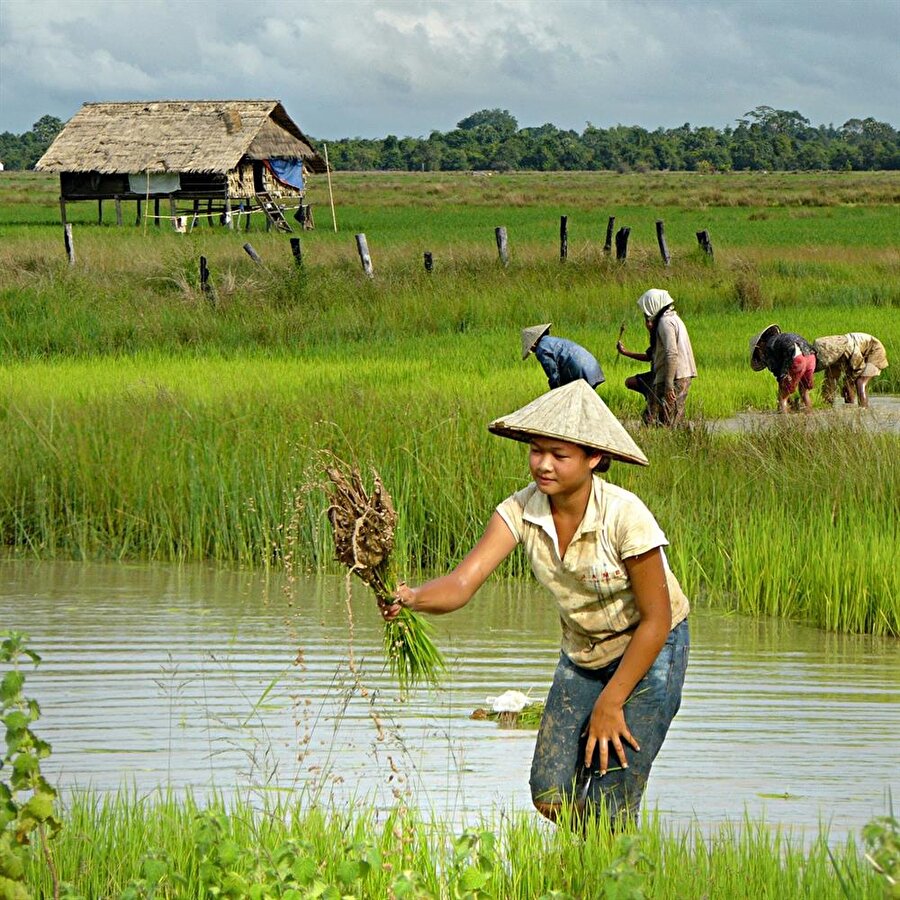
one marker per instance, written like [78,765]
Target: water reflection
[209,678]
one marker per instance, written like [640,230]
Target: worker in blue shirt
[562,360]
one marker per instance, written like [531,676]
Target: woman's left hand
[607,726]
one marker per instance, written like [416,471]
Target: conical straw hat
[756,360]
[530,336]
[572,413]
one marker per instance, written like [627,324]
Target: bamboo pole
[330,193]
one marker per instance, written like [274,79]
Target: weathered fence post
[252,253]
[209,216]
[622,242]
[137,215]
[704,241]
[156,211]
[99,212]
[297,250]
[69,242]
[610,225]
[362,248]
[563,238]
[661,240]
[502,245]
[429,261]
[206,285]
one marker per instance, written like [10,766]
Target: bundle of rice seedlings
[363,525]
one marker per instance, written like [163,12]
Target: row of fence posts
[500,235]
[502,239]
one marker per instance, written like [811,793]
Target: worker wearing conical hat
[599,552]
[562,360]
[790,358]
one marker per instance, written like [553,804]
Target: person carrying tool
[671,358]
[790,358]
[854,359]
[600,553]
[562,360]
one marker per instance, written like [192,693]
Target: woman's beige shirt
[590,584]
[673,356]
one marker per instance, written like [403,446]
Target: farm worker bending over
[599,552]
[672,368]
[855,357]
[790,358]
[562,360]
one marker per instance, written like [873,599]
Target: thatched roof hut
[217,150]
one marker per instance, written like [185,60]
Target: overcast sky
[369,68]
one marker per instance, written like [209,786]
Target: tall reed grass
[202,459]
[142,418]
[124,842]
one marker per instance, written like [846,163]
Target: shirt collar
[537,511]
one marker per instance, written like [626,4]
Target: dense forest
[764,139]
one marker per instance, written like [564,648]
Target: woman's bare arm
[454,590]
[631,354]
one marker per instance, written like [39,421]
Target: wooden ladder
[273,211]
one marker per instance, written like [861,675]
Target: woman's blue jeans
[558,773]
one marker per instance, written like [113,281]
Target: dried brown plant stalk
[363,524]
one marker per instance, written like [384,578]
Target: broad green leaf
[472,879]
[11,685]
[304,870]
[39,807]
[348,871]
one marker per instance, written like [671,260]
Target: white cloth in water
[510,701]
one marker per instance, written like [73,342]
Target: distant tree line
[764,139]
[22,151]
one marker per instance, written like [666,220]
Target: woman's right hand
[620,347]
[403,596]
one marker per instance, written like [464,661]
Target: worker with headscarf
[562,360]
[671,357]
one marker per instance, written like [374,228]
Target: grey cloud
[372,67]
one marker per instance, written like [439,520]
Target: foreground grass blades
[129,847]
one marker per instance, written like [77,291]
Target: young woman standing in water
[599,552]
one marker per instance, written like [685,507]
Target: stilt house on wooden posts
[234,155]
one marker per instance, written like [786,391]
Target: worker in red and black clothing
[790,358]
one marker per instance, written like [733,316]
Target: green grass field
[143,419]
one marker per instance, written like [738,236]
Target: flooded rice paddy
[882,416]
[202,678]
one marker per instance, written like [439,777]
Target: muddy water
[882,415]
[206,678]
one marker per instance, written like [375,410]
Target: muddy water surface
[207,678]
[882,415]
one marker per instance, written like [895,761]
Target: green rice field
[145,419]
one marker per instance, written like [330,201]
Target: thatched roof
[176,136]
